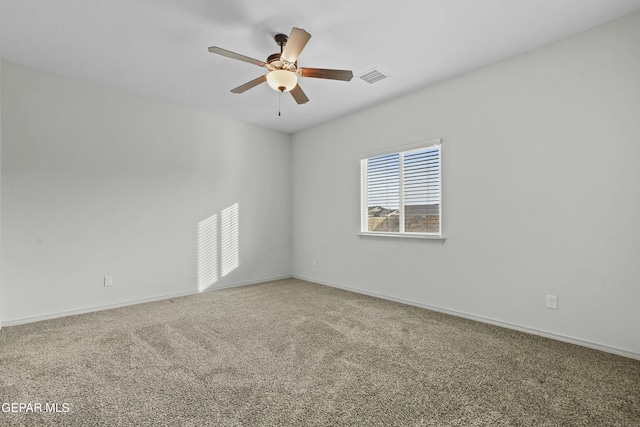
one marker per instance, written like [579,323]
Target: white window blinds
[383,193]
[401,192]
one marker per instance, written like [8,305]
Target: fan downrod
[281,40]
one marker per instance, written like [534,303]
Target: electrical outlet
[552,302]
[108,281]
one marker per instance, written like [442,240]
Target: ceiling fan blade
[249,85]
[299,95]
[296,42]
[322,73]
[233,55]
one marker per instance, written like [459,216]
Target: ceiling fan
[283,67]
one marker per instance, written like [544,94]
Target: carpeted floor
[293,353]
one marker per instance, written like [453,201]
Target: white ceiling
[158,48]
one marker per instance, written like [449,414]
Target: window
[401,193]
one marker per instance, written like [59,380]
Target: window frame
[364,209]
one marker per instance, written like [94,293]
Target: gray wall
[541,160]
[97,182]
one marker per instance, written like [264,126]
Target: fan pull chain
[279,99]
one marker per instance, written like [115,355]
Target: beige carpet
[292,353]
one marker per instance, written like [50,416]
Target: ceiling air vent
[373,76]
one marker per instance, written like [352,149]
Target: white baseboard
[48,316]
[557,337]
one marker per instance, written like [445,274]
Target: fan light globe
[282,80]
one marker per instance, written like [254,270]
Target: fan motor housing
[273,58]
[275,63]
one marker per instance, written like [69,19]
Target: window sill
[402,236]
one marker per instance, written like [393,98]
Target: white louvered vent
[373,76]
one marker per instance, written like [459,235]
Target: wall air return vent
[373,76]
